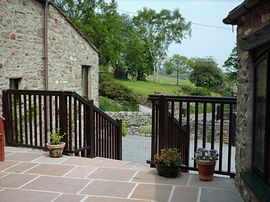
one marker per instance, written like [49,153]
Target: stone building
[252,18]
[41,49]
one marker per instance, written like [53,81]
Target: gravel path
[136,149]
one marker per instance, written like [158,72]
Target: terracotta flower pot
[206,169]
[56,150]
[167,171]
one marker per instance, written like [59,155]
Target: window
[14,83]
[85,73]
[261,121]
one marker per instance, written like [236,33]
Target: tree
[205,73]
[231,65]
[158,31]
[178,64]
[101,24]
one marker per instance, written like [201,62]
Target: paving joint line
[78,192]
[133,189]
[11,166]
[171,194]
[28,182]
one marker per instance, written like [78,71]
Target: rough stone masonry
[22,50]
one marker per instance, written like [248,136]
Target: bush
[193,90]
[124,128]
[109,105]
[145,129]
[119,93]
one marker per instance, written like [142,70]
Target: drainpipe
[46,11]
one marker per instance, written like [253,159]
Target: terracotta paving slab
[81,161]
[50,169]
[184,194]
[81,171]
[73,178]
[15,195]
[69,198]
[220,195]
[112,174]
[107,199]
[46,159]
[152,192]
[57,184]
[220,182]
[15,180]
[21,167]
[6,164]
[151,176]
[23,156]
[2,174]
[108,188]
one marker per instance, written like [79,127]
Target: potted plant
[55,145]
[168,162]
[206,161]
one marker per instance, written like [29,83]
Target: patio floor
[30,175]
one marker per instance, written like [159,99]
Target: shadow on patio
[30,175]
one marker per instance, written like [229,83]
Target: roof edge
[239,11]
[71,23]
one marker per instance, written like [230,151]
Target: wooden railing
[89,132]
[190,122]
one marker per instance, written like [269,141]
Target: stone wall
[135,120]
[248,24]
[22,49]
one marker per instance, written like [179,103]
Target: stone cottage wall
[22,46]
[247,25]
[67,52]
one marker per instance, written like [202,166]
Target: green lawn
[166,85]
[170,80]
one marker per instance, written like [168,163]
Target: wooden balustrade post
[2,139]
[90,128]
[119,139]
[63,116]
[163,123]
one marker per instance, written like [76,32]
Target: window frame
[260,56]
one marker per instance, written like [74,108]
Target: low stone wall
[137,120]
[134,120]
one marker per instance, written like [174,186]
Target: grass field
[170,80]
[166,85]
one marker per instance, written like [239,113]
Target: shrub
[119,93]
[124,128]
[106,104]
[193,90]
[145,129]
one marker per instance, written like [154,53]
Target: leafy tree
[101,24]
[158,31]
[178,64]
[205,73]
[231,65]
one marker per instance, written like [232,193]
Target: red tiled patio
[30,175]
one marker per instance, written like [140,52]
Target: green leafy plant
[55,136]
[145,129]
[119,93]
[169,157]
[124,128]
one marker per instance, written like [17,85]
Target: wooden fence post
[63,116]
[2,139]
[163,123]
[119,139]
[90,127]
